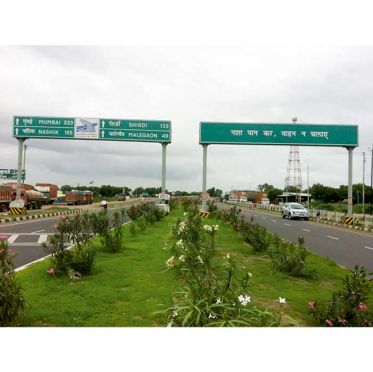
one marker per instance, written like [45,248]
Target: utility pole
[363,182]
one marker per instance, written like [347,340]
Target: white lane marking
[34,232]
[12,238]
[42,238]
[332,237]
[306,230]
[287,224]
[274,221]
[369,248]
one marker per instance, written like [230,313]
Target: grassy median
[129,287]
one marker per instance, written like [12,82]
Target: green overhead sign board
[92,129]
[11,174]
[279,134]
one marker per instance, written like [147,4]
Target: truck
[77,197]
[5,197]
[32,198]
[49,191]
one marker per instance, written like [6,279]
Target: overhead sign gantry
[81,128]
[280,134]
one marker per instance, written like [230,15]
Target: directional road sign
[92,128]
[11,174]
[279,134]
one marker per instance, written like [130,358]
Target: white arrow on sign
[102,133]
[17,120]
[16,131]
[103,124]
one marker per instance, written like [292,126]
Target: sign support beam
[164,148]
[349,192]
[19,167]
[204,177]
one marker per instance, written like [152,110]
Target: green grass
[127,288]
[268,285]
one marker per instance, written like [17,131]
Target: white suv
[294,210]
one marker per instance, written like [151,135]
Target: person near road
[104,205]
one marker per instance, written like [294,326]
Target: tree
[65,188]
[266,188]
[273,194]
[214,192]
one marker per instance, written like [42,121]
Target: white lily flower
[282,300]
[244,299]
[218,301]
[211,316]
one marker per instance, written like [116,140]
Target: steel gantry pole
[349,192]
[204,176]
[363,182]
[19,172]
[164,148]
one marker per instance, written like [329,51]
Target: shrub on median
[346,307]
[12,302]
[289,257]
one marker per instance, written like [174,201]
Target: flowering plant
[12,302]
[347,307]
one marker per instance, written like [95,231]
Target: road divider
[37,216]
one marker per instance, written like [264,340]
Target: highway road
[25,237]
[344,246]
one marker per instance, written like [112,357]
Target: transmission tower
[294,172]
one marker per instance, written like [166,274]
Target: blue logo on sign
[86,127]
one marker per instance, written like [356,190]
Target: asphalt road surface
[344,246]
[25,237]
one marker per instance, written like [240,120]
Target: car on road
[294,210]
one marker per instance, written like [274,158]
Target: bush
[256,235]
[209,302]
[289,257]
[60,256]
[112,240]
[347,307]
[82,260]
[141,223]
[205,299]
[12,302]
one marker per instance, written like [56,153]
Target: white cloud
[185,85]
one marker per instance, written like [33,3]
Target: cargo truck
[5,197]
[48,188]
[77,197]
[32,198]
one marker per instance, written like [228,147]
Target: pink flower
[342,320]
[63,218]
[363,307]
[329,322]
[3,238]
[311,304]
[51,271]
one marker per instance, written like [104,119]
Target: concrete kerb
[37,216]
